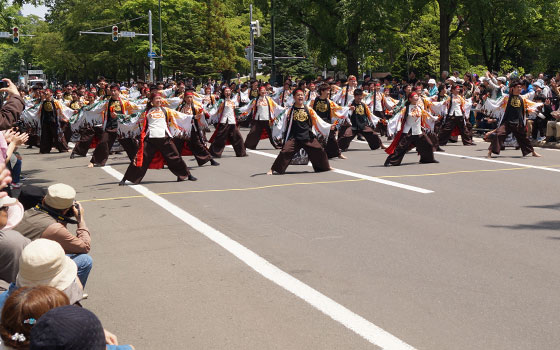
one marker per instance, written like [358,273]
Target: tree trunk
[142,71]
[352,51]
[444,25]
[128,72]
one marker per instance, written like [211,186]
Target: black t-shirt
[359,118]
[112,123]
[514,110]
[301,125]
[254,94]
[48,112]
[323,109]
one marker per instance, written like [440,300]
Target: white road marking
[498,161]
[360,176]
[321,302]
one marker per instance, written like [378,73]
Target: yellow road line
[456,172]
[228,189]
[312,183]
[466,171]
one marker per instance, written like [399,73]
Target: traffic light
[15,35]
[256,27]
[115,33]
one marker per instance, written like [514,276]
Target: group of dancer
[157,125]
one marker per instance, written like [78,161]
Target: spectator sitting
[43,262]
[22,310]
[69,328]
[553,128]
[49,219]
[11,242]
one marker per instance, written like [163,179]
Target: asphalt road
[471,264]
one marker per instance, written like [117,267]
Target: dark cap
[31,195]
[68,328]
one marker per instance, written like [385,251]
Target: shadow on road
[546,206]
[542,225]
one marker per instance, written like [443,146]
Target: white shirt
[347,95]
[262,109]
[157,124]
[228,113]
[455,106]
[378,99]
[413,120]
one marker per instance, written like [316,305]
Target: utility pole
[152,62]
[160,45]
[272,34]
[252,54]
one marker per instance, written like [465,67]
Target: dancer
[411,122]
[298,132]
[511,112]
[362,122]
[51,132]
[264,110]
[328,111]
[226,129]
[156,136]
[457,110]
[195,140]
[116,105]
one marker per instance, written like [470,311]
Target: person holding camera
[49,219]
[13,105]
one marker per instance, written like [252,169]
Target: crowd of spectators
[43,266]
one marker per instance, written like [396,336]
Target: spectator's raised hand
[5,176]
[20,139]
[9,135]
[110,338]
[11,89]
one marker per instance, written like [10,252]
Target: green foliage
[207,38]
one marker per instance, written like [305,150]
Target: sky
[32,10]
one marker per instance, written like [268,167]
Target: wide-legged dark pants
[381,126]
[447,128]
[228,132]
[254,135]
[66,131]
[346,134]
[51,137]
[86,137]
[167,148]
[422,143]
[317,155]
[101,152]
[518,130]
[200,152]
[331,145]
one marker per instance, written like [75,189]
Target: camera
[19,125]
[3,84]
[71,213]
